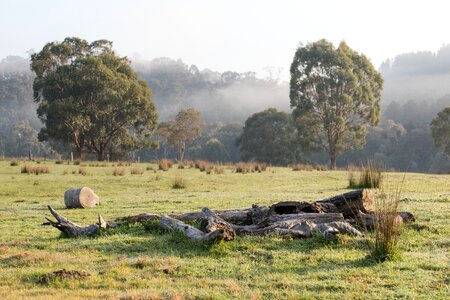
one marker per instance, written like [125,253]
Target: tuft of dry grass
[250,167]
[179,183]
[302,167]
[136,171]
[27,169]
[83,171]
[370,177]
[387,223]
[14,163]
[165,164]
[219,169]
[118,172]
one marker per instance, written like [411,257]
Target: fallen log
[81,198]
[368,220]
[73,230]
[299,229]
[237,216]
[191,232]
[212,222]
[350,203]
[296,207]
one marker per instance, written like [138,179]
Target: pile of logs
[329,217]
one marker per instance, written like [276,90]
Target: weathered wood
[237,216]
[80,198]
[299,229]
[212,222]
[296,207]
[350,203]
[191,232]
[368,220]
[72,229]
[317,218]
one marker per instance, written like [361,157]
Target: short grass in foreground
[139,262]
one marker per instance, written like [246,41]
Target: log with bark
[73,230]
[349,204]
[80,198]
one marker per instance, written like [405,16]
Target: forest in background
[415,89]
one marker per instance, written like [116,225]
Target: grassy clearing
[138,262]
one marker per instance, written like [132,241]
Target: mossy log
[80,198]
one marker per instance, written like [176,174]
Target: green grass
[143,262]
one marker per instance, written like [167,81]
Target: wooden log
[80,198]
[350,203]
[191,232]
[317,218]
[368,220]
[299,229]
[212,222]
[72,230]
[237,216]
[296,207]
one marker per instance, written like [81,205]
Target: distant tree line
[410,136]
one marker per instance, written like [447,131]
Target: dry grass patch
[165,164]
[27,169]
[136,171]
[118,172]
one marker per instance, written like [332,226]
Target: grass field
[141,262]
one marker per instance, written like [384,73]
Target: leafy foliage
[440,130]
[90,97]
[270,136]
[334,93]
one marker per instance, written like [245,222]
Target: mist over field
[415,89]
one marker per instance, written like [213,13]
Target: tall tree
[270,136]
[91,97]
[185,128]
[440,130]
[334,92]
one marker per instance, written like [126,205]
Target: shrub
[14,163]
[77,162]
[137,171]
[118,172]
[384,243]
[165,164]
[179,183]
[59,162]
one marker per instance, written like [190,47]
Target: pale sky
[237,35]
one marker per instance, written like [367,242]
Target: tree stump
[80,198]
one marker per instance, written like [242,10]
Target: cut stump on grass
[81,198]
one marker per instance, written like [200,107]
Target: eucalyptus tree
[90,97]
[335,93]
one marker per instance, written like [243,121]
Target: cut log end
[81,198]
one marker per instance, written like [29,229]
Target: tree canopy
[91,97]
[185,128]
[334,92]
[270,136]
[440,130]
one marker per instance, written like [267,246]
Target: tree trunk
[350,203]
[333,159]
[73,230]
[80,198]
[79,153]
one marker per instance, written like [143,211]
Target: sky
[237,35]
